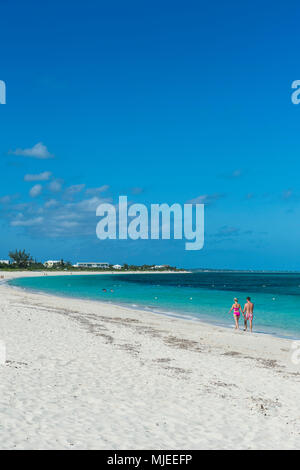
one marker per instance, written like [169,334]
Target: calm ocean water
[201,295]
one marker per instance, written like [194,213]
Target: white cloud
[27,222]
[8,198]
[88,205]
[39,177]
[137,190]
[37,151]
[20,207]
[205,199]
[53,217]
[36,190]
[226,231]
[55,186]
[101,189]
[75,189]
[51,203]
[5,199]
[236,173]
[66,224]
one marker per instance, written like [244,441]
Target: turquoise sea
[206,296]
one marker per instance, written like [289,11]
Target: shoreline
[139,308]
[171,313]
[82,374]
[82,273]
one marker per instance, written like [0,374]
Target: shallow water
[201,295]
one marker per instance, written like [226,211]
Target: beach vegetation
[22,260]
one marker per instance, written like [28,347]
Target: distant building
[117,266]
[91,265]
[4,261]
[50,263]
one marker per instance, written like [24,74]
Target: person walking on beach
[248,313]
[236,312]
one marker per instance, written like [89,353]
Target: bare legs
[236,319]
[246,323]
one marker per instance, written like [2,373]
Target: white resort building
[160,266]
[50,263]
[91,265]
[117,266]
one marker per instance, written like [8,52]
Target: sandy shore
[87,375]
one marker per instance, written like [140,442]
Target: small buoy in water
[191,298]
[274,298]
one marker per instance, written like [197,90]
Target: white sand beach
[86,375]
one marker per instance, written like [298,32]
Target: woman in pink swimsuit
[236,312]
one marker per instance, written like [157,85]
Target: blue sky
[163,102]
